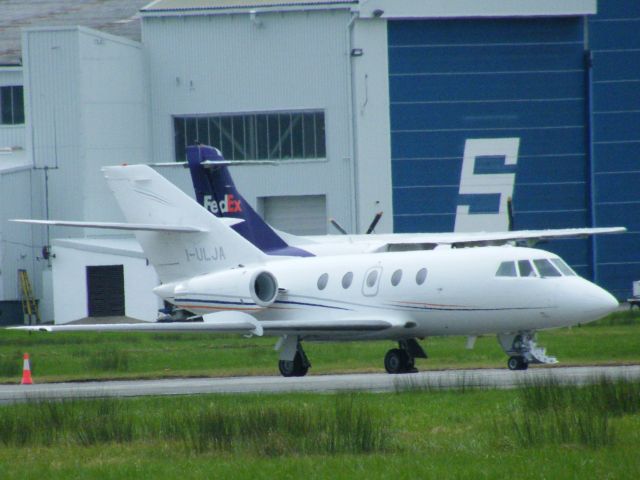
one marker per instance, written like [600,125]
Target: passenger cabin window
[396,277]
[507,269]
[526,270]
[371,278]
[347,279]
[563,267]
[322,281]
[545,268]
[421,276]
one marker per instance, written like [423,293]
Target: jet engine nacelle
[232,286]
[263,287]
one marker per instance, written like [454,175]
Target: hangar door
[105,290]
[484,109]
[299,214]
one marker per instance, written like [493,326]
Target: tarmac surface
[372,382]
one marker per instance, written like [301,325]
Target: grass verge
[423,434]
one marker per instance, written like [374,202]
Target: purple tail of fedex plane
[216,192]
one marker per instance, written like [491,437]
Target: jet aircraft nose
[598,302]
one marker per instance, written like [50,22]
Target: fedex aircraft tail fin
[215,191]
[182,239]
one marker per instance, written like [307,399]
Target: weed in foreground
[349,426]
[550,413]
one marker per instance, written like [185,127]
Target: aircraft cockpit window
[421,276]
[526,269]
[322,281]
[507,269]
[347,279]
[563,267]
[396,277]
[546,269]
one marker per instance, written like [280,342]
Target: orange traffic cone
[26,371]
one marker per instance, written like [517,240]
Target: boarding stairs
[535,354]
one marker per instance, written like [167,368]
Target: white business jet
[210,270]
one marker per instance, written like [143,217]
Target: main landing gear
[402,360]
[293,361]
[523,350]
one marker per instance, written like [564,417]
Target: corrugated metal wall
[221,64]
[512,91]
[575,120]
[614,39]
[88,105]
[17,250]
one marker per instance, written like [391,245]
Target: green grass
[348,425]
[82,356]
[413,434]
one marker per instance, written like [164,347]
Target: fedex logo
[229,204]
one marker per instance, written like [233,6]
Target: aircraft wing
[483,238]
[115,225]
[533,235]
[234,322]
[221,322]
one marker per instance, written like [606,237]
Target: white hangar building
[433,112]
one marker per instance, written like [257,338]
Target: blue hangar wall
[538,109]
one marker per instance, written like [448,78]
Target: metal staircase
[29,303]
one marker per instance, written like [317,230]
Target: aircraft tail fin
[207,244]
[216,192]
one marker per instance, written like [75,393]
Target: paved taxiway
[375,382]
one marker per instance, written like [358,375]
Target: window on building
[255,136]
[11,105]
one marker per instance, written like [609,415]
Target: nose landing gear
[523,350]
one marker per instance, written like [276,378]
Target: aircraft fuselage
[440,292]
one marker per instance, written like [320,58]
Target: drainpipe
[353,149]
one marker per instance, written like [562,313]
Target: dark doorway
[105,290]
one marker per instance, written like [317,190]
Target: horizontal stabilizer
[115,225]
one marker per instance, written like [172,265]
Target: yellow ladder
[29,303]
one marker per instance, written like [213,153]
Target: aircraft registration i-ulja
[210,270]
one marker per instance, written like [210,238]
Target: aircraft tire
[397,361]
[517,363]
[293,368]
